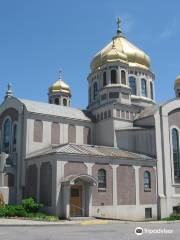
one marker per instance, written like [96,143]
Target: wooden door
[76,201]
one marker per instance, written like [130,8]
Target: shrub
[13,211]
[172,217]
[3,211]
[30,205]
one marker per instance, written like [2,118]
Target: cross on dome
[119,30]
[60,74]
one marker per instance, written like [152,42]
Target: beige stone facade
[117,159]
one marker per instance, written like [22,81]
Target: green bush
[29,209]
[30,205]
[172,217]
[3,211]
[12,211]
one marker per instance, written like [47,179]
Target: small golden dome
[59,86]
[177,81]
[120,49]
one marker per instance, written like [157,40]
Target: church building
[119,158]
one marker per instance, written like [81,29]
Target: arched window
[176,159]
[64,102]
[14,140]
[104,79]
[143,88]
[95,90]
[101,178]
[56,101]
[113,76]
[147,181]
[132,84]
[6,135]
[123,77]
[151,90]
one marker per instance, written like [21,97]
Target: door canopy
[73,179]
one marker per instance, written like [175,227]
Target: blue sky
[40,37]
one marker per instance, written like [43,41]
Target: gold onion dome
[177,81]
[60,86]
[120,49]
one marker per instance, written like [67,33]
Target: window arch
[14,138]
[176,158]
[101,178]
[64,102]
[95,90]
[56,101]
[151,90]
[132,84]
[113,76]
[104,79]
[147,180]
[7,135]
[123,77]
[143,88]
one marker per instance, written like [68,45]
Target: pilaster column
[137,184]
[114,167]
[138,86]
[66,193]
[108,73]
[119,75]
[89,172]
[38,165]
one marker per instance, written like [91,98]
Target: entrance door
[76,201]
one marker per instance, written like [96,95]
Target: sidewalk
[25,222]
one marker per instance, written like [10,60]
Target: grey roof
[91,150]
[55,110]
[131,128]
[146,112]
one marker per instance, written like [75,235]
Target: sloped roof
[55,110]
[146,112]
[91,150]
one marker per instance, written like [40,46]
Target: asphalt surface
[92,232]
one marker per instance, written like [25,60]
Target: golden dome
[120,49]
[177,81]
[59,86]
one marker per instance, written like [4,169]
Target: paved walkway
[25,222]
